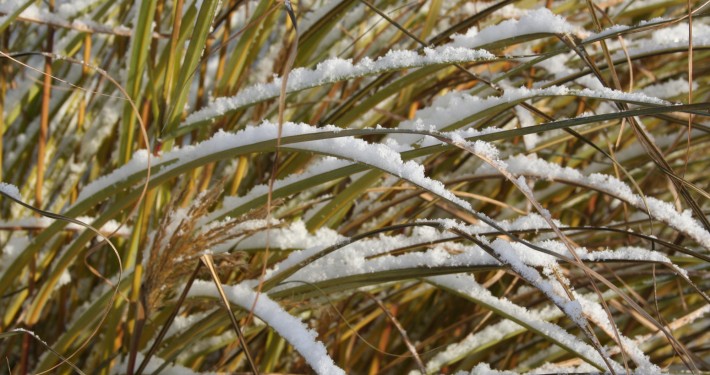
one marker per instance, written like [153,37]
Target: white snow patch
[154,364]
[334,70]
[539,21]
[537,319]
[138,163]
[289,327]
[660,210]
[526,120]
[231,203]
[11,190]
[669,89]
[674,36]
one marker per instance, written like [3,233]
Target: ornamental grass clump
[347,186]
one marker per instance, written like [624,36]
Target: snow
[505,251]
[669,37]
[31,333]
[334,70]
[526,120]
[678,33]
[370,256]
[10,190]
[669,89]
[181,323]
[632,253]
[96,135]
[455,107]
[607,93]
[294,236]
[550,286]
[374,255]
[154,365]
[384,158]
[485,369]
[352,260]
[177,157]
[287,326]
[539,21]
[557,66]
[64,279]
[553,368]
[379,156]
[64,10]
[62,17]
[232,203]
[12,249]
[137,164]
[614,29]
[598,316]
[660,210]
[70,8]
[538,320]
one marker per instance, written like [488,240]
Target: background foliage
[392,271]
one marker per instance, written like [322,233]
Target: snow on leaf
[454,107]
[537,320]
[660,210]
[10,190]
[154,365]
[321,166]
[334,70]
[669,37]
[539,21]
[289,327]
